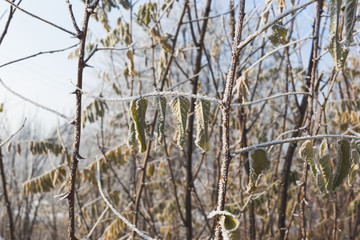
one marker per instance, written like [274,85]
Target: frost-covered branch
[37,54]
[274,51]
[272,22]
[131,226]
[295,139]
[35,103]
[188,95]
[41,19]
[269,98]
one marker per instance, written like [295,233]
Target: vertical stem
[225,110]
[6,198]
[147,154]
[190,130]
[77,123]
[302,110]
[310,115]
[335,218]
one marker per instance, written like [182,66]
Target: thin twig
[270,23]
[131,226]
[289,140]
[12,135]
[97,222]
[35,103]
[73,17]
[37,54]
[41,19]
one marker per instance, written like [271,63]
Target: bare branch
[12,135]
[41,19]
[131,226]
[37,54]
[36,104]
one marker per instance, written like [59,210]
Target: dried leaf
[138,111]
[259,163]
[229,223]
[353,171]
[343,164]
[202,112]
[161,108]
[325,165]
[338,51]
[45,182]
[180,107]
[307,153]
[278,34]
[350,18]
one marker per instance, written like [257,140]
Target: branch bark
[77,123]
[225,110]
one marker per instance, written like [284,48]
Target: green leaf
[161,108]
[307,153]
[325,165]
[350,18]
[1,107]
[343,164]
[138,111]
[259,163]
[180,107]
[202,112]
[278,34]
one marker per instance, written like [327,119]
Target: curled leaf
[325,165]
[180,107]
[307,153]
[343,164]
[161,108]
[338,51]
[259,163]
[202,112]
[350,18]
[354,169]
[138,111]
[132,132]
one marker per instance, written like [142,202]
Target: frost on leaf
[45,182]
[259,163]
[180,107]
[132,133]
[229,224]
[202,112]
[161,108]
[137,113]
[278,34]
[307,153]
[350,18]
[343,164]
[338,51]
[325,165]
[354,169]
